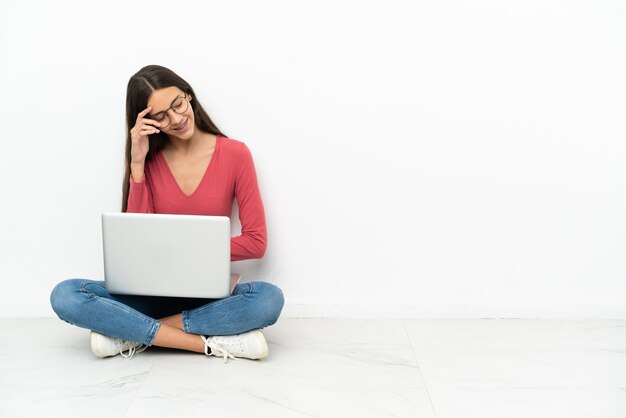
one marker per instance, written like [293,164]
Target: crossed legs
[87,304]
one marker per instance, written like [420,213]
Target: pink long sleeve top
[229,175]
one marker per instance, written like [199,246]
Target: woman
[178,162]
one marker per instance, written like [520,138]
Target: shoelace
[132,350]
[217,349]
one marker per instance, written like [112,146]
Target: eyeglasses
[179,105]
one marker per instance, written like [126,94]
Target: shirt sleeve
[140,196]
[252,242]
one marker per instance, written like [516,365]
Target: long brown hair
[140,87]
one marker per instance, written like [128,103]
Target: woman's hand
[139,136]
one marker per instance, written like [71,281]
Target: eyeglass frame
[171,107]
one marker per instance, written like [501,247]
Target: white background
[426,158]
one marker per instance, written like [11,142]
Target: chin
[186,135]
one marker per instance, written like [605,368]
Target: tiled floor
[329,368]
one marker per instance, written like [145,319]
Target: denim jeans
[86,304]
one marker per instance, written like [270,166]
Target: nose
[175,118]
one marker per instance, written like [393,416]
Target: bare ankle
[175,321]
[172,337]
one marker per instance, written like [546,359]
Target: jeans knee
[273,301]
[63,297]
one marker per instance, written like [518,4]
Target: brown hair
[140,87]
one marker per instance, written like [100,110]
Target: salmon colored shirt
[229,175]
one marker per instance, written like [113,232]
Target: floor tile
[523,368]
[47,369]
[516,333]
[528,402]
[279,401]
[329,367]
[314,352]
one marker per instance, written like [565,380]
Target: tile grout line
[138,389]
[406,331]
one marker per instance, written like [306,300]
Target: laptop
[167,255]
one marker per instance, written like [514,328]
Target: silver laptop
[167,255]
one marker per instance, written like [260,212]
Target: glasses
[179,105]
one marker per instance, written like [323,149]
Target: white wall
[431,158]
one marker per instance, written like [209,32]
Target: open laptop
[167,255]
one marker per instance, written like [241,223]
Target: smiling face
[171,108]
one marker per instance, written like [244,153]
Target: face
[166,104]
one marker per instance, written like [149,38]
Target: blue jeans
[86,304]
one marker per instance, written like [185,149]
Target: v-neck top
[166,168]
[230,174]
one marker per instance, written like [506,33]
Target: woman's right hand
[139,136]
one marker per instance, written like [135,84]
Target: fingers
[149,126]
[140,117]
[144,130]
[148,131]
[145,126]
[151,121]
[143,113]
[141,126]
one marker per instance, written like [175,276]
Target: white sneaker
[250,345]
[103,346]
